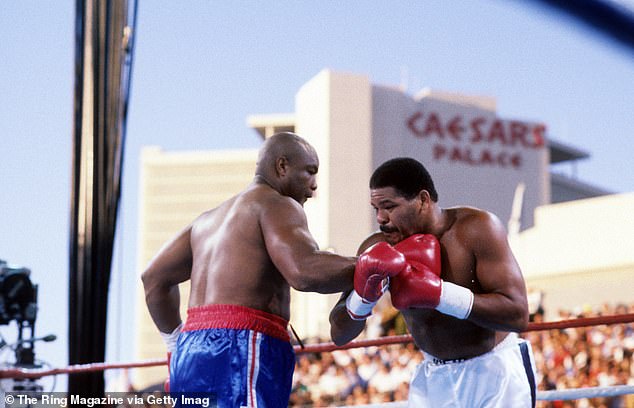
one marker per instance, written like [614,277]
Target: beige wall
[350,139]
[580,252]
[582,235]
[585,288]
[333,112]
[312,109]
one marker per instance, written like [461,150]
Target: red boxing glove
[419,285]
[422,248]
[377,263]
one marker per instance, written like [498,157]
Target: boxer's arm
[296,254]
[169,267]
[343,328]
[503,304]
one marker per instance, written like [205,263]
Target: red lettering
[411,124]
[516,160]
[504,160]
[439,151]
[539,132]
[455,128]
[477,133]
[497,133]
[486,158]
[433,125]
[506,133]
[518,132]
[455,154]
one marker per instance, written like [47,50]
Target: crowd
[567,358]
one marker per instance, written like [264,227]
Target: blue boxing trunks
[240,357]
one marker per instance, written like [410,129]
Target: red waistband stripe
[236,317]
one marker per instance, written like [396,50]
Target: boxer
[462,295]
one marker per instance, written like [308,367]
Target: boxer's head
[402,192]
[407,176]
[289,164]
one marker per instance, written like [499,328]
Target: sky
[202,66]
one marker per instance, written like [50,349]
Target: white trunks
[504,377]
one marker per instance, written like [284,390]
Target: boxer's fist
[419,285]
[377,263]
[421,248]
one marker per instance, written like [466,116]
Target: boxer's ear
[281,166]
[424,199]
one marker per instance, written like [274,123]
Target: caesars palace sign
[477,140]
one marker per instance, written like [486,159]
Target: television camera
[18,303]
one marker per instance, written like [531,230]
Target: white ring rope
[554,395]
[586,392]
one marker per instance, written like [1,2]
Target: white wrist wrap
[358,308]
[171,338]
[455,300]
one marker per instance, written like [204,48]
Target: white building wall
[580,235]
[580,252]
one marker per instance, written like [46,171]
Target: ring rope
[554,395]
[586,392]
[22,373]
[330,346]
[581,322]
[407,338]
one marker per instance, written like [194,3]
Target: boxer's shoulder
[372,239]
[470,223]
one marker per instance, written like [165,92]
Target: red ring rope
[406,338]
[77,368]
[581,322]
[313,348]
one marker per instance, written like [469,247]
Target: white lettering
[199,401]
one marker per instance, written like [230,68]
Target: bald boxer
[462,295]
[242,258]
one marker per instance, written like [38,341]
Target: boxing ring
[542,395]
